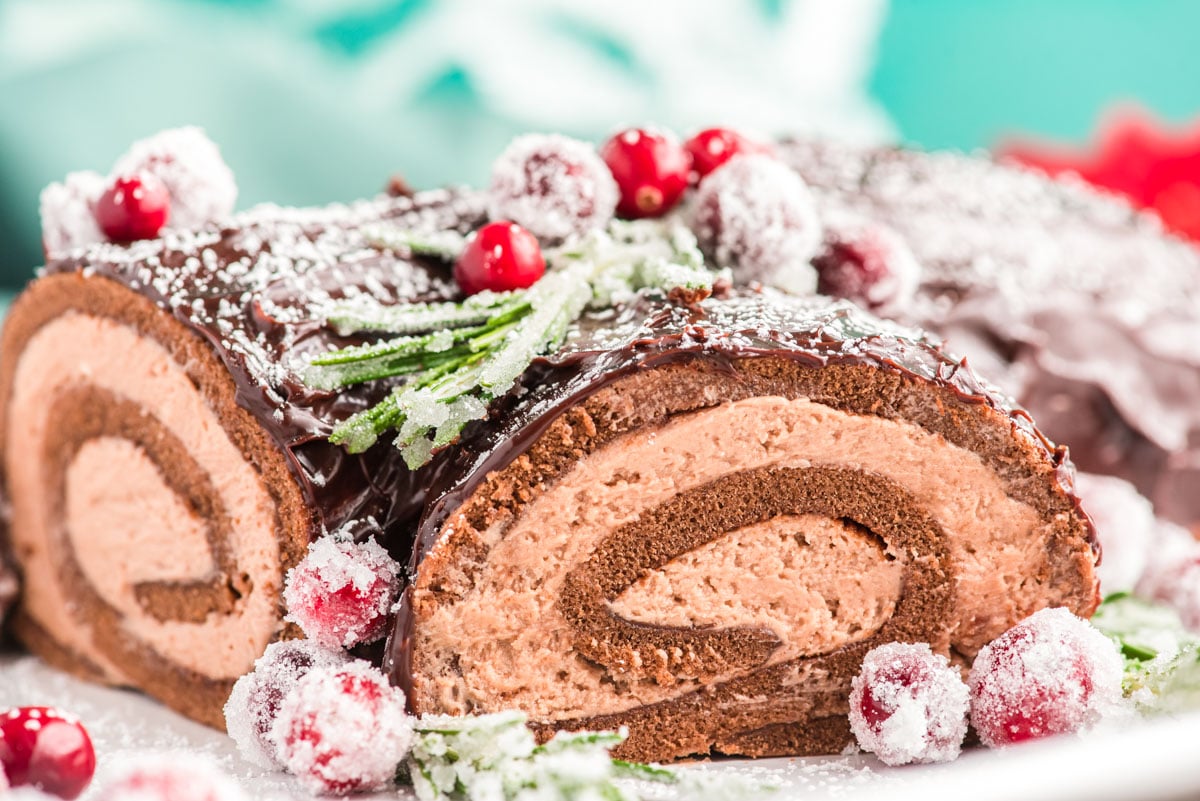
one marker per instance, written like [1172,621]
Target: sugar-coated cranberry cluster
[306,704]
[1052,673]
[750,212]
[176,178]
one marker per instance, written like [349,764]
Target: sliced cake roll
[164,465]
[695,522]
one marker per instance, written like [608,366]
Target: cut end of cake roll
[699,533]
[151,516]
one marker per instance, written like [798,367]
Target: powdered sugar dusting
[68,213]
[287,265]
[252,706]
[342,591]
[201,184]
[908,705]
[758,217]
[554,186]
[343,729]
[1052,673]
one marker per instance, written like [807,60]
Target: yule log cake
[622,502]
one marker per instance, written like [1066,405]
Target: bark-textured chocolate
[695,524]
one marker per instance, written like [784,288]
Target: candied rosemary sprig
[461,356]
[1162,658]
[496,757]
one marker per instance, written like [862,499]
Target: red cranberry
[171,777]
[69,213]
[651,169]
[908,705]
[1172,572]
[341,592]
[200,183]
[133,207]
[713,147]
[756,216]
[500,256]
[1052,673]
[47,749]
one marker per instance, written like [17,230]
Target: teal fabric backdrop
[963,73]
[314,101]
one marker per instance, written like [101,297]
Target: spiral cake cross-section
[698,529]
[163,464]
[147,536]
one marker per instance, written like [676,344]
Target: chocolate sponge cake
[694,523]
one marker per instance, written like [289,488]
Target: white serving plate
[1157,760]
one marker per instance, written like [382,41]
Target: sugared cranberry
[170,777]
[201,185]
[1172,574]
[47,749]
[68,210]
[133,207]
[553,186]
[341,592]
[1052,673]
[758,217]
[1125,526]
[713,147]
[651,169]
[908,705]
[867,262]
[500,256]
[254,703]
[343,730]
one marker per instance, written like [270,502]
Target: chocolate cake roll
[1080,306]
[163,465]
[695,523]
[691,519]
